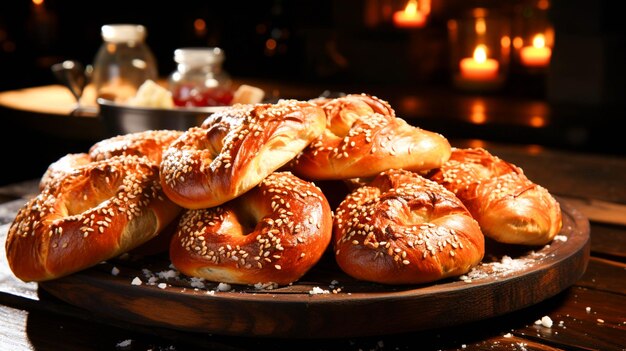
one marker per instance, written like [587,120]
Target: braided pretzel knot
[509,207]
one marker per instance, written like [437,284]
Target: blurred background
[407,52]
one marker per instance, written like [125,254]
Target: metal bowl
[123,119]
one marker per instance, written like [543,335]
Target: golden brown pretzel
[363,138]
[147,143]
[63,166]
[509,207]
[404,229]
[235,149]
[150,143]
[273,233]
[94,213]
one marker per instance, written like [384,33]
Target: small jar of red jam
[199,79]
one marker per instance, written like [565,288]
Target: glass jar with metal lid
[199,79]
[123,62]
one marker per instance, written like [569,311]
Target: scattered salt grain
[168,274]
[115,271]
[508,335]
[223,287]
[162,285]
[136,281]
[562,238]
[588,309]
[545,321]
[265,286]
[197,283]
[124,343]
[317,290]
[600,320]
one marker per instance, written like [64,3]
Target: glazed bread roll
[404,229]
[273,233]
[235,149]
[509,207]
[96,212]
[363,137]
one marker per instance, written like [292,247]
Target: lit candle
[410,17]
[479,67]
[537,55]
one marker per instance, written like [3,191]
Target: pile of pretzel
[236,198]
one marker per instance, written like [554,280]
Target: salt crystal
[162,285]
[546,321]
[588,309]
[508,335]
[317,290]
[115,271]
[136,281]
[124,343]
[223,287]
[168,274]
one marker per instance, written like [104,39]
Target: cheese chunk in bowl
[152,108]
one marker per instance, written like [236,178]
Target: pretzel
[235,149]
[273,233]
[509,207]
[404,229]
[363,137]
[96,212]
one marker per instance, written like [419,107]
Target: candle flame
[480,53]
[411,8]
[539,41]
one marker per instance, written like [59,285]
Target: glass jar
[199,79]
[123,62]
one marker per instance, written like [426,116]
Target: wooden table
[590,315]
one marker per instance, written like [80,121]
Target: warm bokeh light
[199,26]
[476,143]
[537,121]
[518,42]
[480,27]
[534,149]
[409,105]
[477,115]
[38,2]
[505,41]
[543,4]
[410,16]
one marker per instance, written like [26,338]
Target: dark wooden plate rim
[360,309]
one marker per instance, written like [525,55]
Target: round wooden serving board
[348,308]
